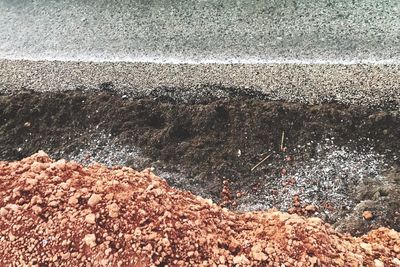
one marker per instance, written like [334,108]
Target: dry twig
[282,140]
[258,164]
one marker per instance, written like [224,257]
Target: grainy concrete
[365,84]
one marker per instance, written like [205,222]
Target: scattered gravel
[365,84]
[330,177]
[104,149]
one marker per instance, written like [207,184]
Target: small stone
[113,210]
[31,181]
[65,256]
[3,212]
[313,261]
[94,200]
[36,200]
[90,218]
[367,215]
[311,208]
[148,247]
[37,210]
[90,240]
[396,261]
[240,260]
[11,237]
[259,256]
[54,203]
[107,251]
[60,164]
[109,196]
[256,249]
[378,263]
[366,247]
[73,200]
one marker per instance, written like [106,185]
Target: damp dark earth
[235,146]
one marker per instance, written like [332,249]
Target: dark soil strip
[210,139]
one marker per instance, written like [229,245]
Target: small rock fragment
[54,203]
[378,263]
[94,200]
[3,212]
[367,215]
[73,200]
[90,240]
[113,210]
[90,218]
[366,247]
[37,210]
[311,208]
[396,261]
[240,260]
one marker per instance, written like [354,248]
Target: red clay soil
[62,214]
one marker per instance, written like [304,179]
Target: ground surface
[60,213]
[205,31]
[342,159]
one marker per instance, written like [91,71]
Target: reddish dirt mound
[62,214]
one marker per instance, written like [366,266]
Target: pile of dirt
[343,159]
[60,213]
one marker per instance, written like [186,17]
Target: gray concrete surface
[223,31]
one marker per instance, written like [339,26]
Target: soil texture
[60,213]
[329,160]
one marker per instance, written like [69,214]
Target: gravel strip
[365,84]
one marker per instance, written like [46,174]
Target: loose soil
[342,160]
[58,213]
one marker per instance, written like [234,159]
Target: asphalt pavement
[205,31]
[311,51]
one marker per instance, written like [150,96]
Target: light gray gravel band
[312,83]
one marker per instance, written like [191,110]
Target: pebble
[367,215]
[378,263]
[54,203]
[73,200]
[366,247]
[3,212]
[240,260]
[90,218]
[90,240]
[311,208]
[37,210]
[113,210]
[94,200]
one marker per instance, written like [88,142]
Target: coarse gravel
[360,84]
[61,213]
